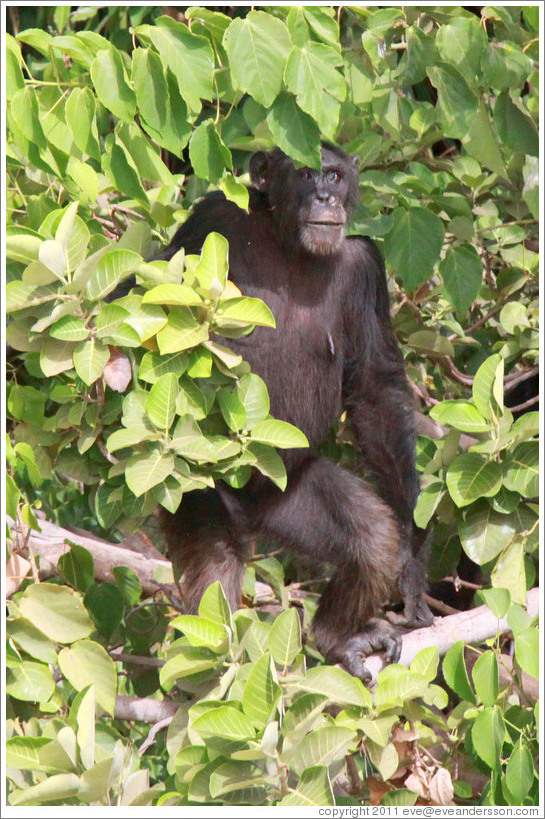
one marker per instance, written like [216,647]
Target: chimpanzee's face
[323,197]
[311,207]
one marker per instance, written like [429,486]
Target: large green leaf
[181,332]
[161,401]
[146,470]
[189,57]
[486,679]
[111,84]
[90,358]
[285,637]
[57,611]
[313,789]
[484,532]
[462,273]
[488,386]
[460,415]
[294,131]
[336,684]
[522,469]
[261,692]
[520,772]
[471,476]
[279,434]
[488,734]
[258,47]
[322,747]
[87,663]
[455,672]
[413,245]
[457,103]
[30,681]
[311,74]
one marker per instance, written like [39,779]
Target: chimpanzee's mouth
[325,223]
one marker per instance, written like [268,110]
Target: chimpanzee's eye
[305,173]
[333,176]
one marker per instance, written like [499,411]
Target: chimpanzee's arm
[376,394]
[381,410]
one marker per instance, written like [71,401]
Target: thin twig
[438,605]
[525,404]
[150,739]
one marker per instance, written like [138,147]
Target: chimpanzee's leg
[206,542]
[332,515]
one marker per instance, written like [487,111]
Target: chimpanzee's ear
[355,161]
[259,170]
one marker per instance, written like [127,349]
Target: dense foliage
[118,119]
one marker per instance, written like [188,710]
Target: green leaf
[413,245]
[457,103]
[245,310]
[202,632]
[515,127]
[24,752]
[90,358]
[428,501]
[455,672]
[69,328]
[460,415]
[463,43]
[234,776]
[486,679]
[30,681]
[162,110]
[214,605]
[294,131]
[112,266]
[337,685]
[111,85]
[26,112]
[488,378]
[57,611]
[128,584]
[522,469]
[261,692]
[311,74]
[285,637]
[80,114]
[481,142]
[471,476]
[505,66]
[462,274]
[527,651]
[253,395]
[313,789]
[146,470]
[161,401]
[520,772]
[31,639]
[279,434]
[52,789]
[485,532]
[322,747]
[509,572]
[258,47]
[181,332]
[175,294]
[226,722]
[211,271]
[189,57]
[77,567]
[487,735]
[497,600]
[426,663]
[104,603]
[87,663]
[128,437]
[269,463]
[53,256]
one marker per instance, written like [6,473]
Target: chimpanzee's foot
[376,636]
[417,612]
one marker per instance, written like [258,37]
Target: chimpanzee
[334,348]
